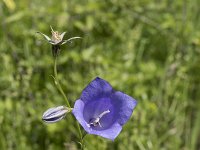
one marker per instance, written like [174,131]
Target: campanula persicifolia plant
[100,110]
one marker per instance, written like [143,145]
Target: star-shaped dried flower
[103,111]
[57,40]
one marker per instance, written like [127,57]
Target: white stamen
[96,121]
[103,113]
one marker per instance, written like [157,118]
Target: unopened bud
[55,114]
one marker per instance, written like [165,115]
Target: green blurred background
[149,49]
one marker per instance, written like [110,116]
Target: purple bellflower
[103,111]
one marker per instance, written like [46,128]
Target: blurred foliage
[148,49]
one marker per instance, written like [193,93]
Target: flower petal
[70,39]
[110,133]
[62,35]
[78,113]
[53,120]
[52,110]
[98,88]
[46,37]
[124,105]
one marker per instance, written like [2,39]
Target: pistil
[96,121]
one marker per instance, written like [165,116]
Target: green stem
[58,84]
[81,136]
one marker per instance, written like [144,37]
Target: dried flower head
[57,40]
[103,111]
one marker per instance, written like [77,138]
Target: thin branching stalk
[81,136]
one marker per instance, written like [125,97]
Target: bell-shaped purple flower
[103,111]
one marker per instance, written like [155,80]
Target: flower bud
[55,114]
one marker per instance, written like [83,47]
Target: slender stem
[81,136]
[58,84]
[79,130]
